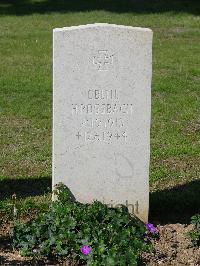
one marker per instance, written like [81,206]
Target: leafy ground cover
[91,233]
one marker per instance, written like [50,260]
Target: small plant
[91,233]
[151,228]
[195,234]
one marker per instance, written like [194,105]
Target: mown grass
[26,85]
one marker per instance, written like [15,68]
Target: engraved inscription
[102,123]
[133,208]
[102,118]
[103,108]
[103,60]
[102,94]
[105,136]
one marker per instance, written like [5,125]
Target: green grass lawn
[26,89]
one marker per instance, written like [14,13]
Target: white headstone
[101,113]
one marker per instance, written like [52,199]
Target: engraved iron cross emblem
[103,60]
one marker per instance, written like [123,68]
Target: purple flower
[151,228]
[86,249]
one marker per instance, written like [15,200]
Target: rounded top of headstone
[102,25]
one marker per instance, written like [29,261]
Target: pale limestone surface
[101,113]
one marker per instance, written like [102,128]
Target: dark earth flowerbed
[172,248]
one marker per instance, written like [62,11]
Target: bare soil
[172,247]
